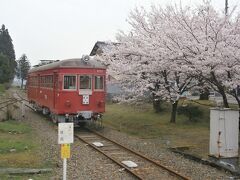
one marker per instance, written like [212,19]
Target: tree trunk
[225,101]
[157,105]
[22,84]
[190,116]
[174,112]
[238,101]
[221,90]
[204,94]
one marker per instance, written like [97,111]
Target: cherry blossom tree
[214,50]
[169,50]
[214,53]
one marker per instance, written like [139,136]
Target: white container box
[224,128]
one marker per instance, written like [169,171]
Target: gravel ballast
[151,148]
[85,163]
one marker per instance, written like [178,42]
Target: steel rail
[114,160]
[21,97]
[143,156]
[30,107]
[12,99]
[10,103]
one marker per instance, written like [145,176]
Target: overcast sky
[61,29]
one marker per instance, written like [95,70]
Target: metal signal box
[224,129]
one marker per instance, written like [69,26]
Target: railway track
[146,167]
[6,103]
[15,98]
[21,99]
[18,96]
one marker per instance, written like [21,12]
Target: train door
[85,88]
[99,92]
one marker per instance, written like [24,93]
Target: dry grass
[144,123]
[22,159]
[18,138]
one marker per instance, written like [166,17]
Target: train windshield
[99,82]
[69,82]
[85,82]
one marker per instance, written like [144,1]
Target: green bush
[192,112]
[2,88]
[7,85]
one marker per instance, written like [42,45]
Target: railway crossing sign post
[65,137]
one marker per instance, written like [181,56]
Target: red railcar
[69,90]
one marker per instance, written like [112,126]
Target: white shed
[224,128]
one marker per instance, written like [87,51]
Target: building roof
[70,63]
[101,46]
[44,62]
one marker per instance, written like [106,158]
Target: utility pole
[226,7]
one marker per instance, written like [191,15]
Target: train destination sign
[65,133]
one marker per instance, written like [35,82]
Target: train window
[35,81]
[99,82]
[49,81]
[85,82]
[69,82]
[32,81]
[42,81]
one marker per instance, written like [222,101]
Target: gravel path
[151,148]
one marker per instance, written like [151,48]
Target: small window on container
[69,82]
[85,82]
[99,82]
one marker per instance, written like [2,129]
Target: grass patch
[23,177]
[2,88]
[14,127]
[15,145]
[18,145]
[143,122]
[26,159]
[136,120]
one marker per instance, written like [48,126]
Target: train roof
[70,63]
